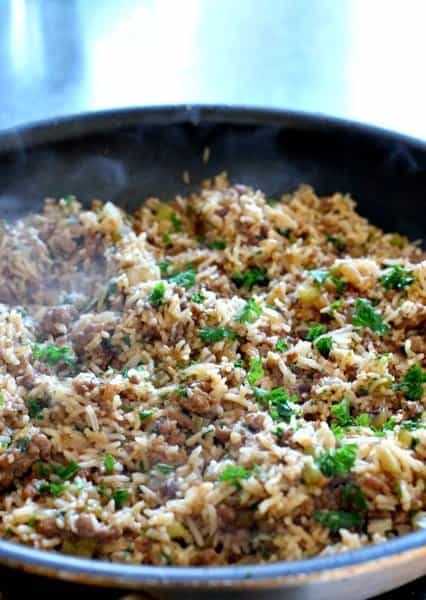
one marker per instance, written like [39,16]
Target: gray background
[358,59]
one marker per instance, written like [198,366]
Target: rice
[220,379]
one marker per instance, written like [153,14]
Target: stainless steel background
[359,59]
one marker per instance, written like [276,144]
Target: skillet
[127,155]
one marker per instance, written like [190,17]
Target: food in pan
[225,378]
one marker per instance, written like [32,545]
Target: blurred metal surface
[356,59]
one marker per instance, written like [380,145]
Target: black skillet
[127,155]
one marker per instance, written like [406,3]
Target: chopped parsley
[256,371]
[278,402]
[314,332]
[42,469]
[66,472]
[23,444]
[337,462]
[35,408]
[250,278]
[109,463]
[239,363]
[120,497]
[197,298]
[337,242]
[157,294]
[52,355]
[176,222]
[167,240]
[337,519]
[164,468]
[365,316]
[164,267]
[217,245]
[396,278]
[211,335]
[250,312]
[339,283]
[331,308]
[69,199]
[318,275]
[413,424]
[363,420]
[353,498]
[146,413]
[412,384]
[281,345]
[324,344]
[56,489]
[234,474]
[184,278]
[342,413]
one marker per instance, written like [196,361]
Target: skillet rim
[98,572]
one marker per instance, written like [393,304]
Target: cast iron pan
[125,156]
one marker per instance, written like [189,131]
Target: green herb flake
[339,283]
[185,278]
[56,489]
[120,497]
[23,444]
[32,521]
[198,298]
[314,332]
[281,345]
[334,306]
[109,463]
[365,316]
[176,222]
[217,245]
[278,400]
[413,424]
[239,364]
[52,355]
[69,199]
[337,242]
[183,392]
[353,498]
[256,371]
[164,468]
[337,462]
[164,267]
[250,278]
[66,472]
[212,335]
[250,312]
[35,408]
[324,345]
[146,414]
[167,240]
[396,278]
[233,474]
[1,399]
[157,294]
[363,420]
[412,384]
[337,519]
[318,275]
[342,413]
